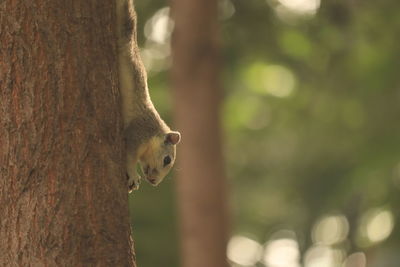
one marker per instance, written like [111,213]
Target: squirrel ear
[172,138]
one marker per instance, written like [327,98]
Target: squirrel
[149,140]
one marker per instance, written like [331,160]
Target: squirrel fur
[149,140]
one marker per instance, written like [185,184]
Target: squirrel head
[158,156]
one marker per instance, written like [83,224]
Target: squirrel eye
[167,160]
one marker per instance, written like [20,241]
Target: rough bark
[63,193]
[200,179]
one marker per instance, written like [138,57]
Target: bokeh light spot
[243,250]
[226,9]
[301,6]
[157,50]
[379,225]
[376,225]
[275,80]
[323,256]
[159,27]
[282,253]
[357,259]
[330,230]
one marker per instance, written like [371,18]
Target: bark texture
[201,179]
[63,193]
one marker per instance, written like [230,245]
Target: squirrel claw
[132,184]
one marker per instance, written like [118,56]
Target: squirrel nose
[153,181]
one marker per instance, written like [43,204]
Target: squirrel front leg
[133,176]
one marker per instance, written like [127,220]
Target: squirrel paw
[133,184]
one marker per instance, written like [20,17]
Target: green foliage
[154,223]
[311,116]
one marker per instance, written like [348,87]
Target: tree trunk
[63,193]
[201,179]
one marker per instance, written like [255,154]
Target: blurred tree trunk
[201,179]
[63,193]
